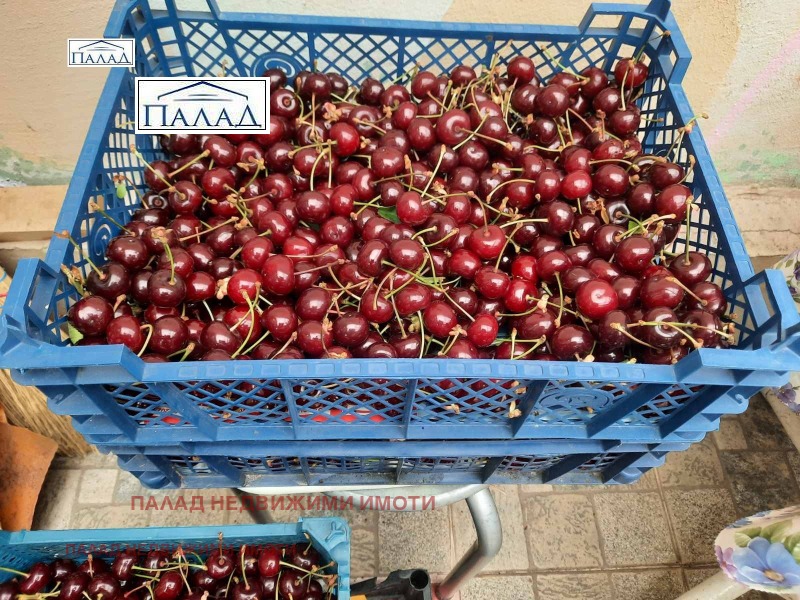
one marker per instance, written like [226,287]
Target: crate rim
[703,366]
[330,533]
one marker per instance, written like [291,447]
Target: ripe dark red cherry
[91,315]
[596,298]
[439,319]
[571,341]
[634,253]
[691,268]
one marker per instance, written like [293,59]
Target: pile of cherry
[244,573]
[462,216]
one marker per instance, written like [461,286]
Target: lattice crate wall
[619,464]
[160,53]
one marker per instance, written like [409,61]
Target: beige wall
[745,73]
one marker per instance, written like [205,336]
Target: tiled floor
[648,541]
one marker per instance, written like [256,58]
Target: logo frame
[201,105]
[101,48]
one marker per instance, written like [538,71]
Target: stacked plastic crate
[208,424]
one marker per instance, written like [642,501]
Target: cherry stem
[435,171]
[199,157]
[138,155]
[97,208]
[147,339]
[280,350]
[66,235]
[422,334]
[244,573]
[209,230]
[471,133]
[560,300]
[490,195]
[686,289]
[676,326]
[14,571]
[689,209]
[170,258]
[536,344]
[621,328]
[184,354]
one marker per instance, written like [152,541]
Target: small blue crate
[411,462]
[329,536]
[115,398]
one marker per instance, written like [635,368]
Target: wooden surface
[27,218]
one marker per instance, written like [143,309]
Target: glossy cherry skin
[62,567]
[268,563]
[439,319]
[660,336]
[711,298]
[73,586]
[483,330]
[169,586]
[103,586]
[39,577]
[220,564]
[634,253]
[125,330]
[627,288]
[128,251]
[595,298]
[569,341]
[169,335]
[91,315]
[166,289]
[351,329]
[661,291]
[313,337]
[692,268]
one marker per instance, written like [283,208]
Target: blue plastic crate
[114,397]
[328,463]
[330,536]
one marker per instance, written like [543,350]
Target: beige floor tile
[561,531]
[730,435]
[539,488]
[363,553]
[57,499]
[661,584]
[574,586]
[760,480]
[762,429]
[697,466]
[102,517]
[414,540]
[128,487]
[634,529]
[697,576]
[499,588]
[293,510]
[97,486]
[513,555]
[697,517]
[180,517]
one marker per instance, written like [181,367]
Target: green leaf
[792,542]
[632,226]
[777,531]
[121,190]
[389,213]
[741,539]
[75,336]
[752,532]
[796,553]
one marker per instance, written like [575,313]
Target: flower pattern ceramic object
[789,394]
[763,551]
